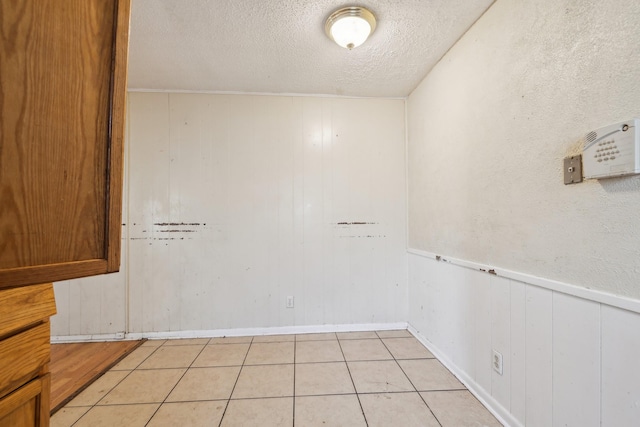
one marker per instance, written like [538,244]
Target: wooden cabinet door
[27,406]
[62,99]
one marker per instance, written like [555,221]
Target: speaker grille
[591,136]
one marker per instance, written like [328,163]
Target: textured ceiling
[279,46]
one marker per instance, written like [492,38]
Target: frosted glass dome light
[349,27]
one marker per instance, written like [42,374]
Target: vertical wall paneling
[449,310]
[149,149]
[312,209]
[81,302]
[187,139]
[517,360]
[60,322]
[462,326]
[91,305]
[501,338]
[419,306]
[538,370]
[576,361]
[235,202]
[438,315]
[567,360]
[482,296]
[215,202]
[620,371]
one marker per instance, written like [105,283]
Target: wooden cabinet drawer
[23,356]
[27,405]
[21,307]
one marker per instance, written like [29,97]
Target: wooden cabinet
[62,100]
[27,406]
[24,355]
[63,68]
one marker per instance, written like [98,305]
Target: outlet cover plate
[573,169]
[497,361]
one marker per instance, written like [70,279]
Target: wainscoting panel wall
[567,359]
[235,202]
[488,129]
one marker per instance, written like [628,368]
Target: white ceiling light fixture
[350,26]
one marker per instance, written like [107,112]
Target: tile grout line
[116,385]
[353,383]
[295,344]
[286,396]
[179,379]
[251,342]
[236,383]
[411,382]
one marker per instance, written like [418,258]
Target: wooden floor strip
[75,366]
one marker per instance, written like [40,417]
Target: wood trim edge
[117,131]
[32,275]
[113,363]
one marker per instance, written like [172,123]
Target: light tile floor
[384,378]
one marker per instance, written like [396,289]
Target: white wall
[488,129]
[235,202]
[490,125]
[567,360]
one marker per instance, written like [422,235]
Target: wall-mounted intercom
[613,150]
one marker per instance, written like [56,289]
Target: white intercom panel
[613,150]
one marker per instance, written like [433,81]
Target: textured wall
[235,202]
[490,125]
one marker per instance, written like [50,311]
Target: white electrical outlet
[290,301]
[497,362]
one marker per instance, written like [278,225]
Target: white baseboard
[214,333]
[120,336]
[480,393]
